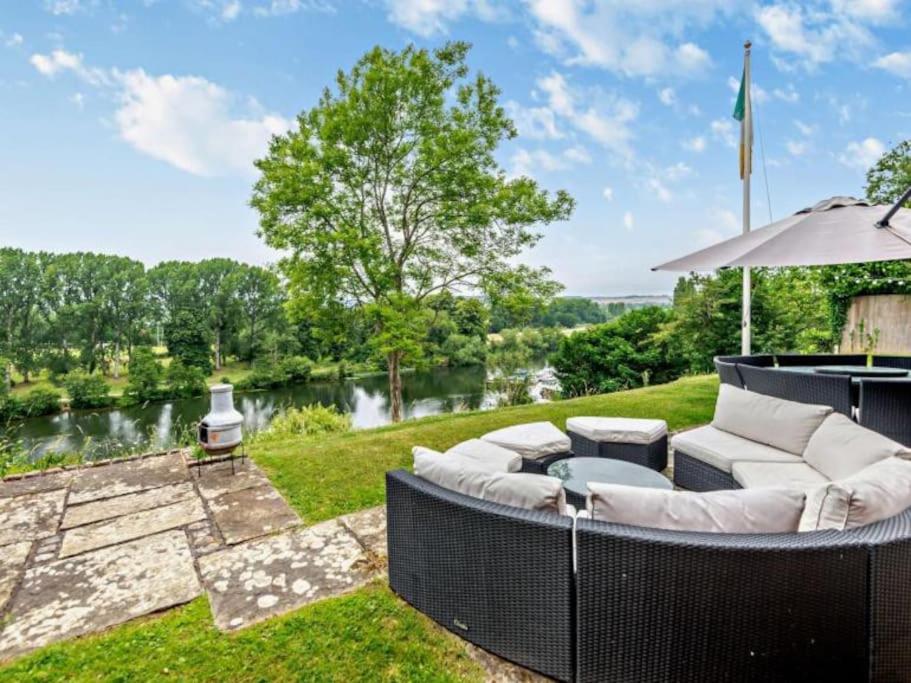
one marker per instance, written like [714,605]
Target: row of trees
[90,311]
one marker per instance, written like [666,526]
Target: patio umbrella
[836,230]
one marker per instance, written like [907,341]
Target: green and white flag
[741,107]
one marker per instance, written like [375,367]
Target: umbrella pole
[746,168]
[884,223]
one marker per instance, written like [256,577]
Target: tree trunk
[117,359]
[218,349]
[395,385]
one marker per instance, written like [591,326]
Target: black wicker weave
[653,455]
[885,407]
[695,475]
[657,605]
[728,373]
[497,576]
[540,465]
[826,390]
[902,362]
[762,360]
[792,359]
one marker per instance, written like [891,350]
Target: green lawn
[369,635]
[325,477]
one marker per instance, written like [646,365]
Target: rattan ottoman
[643,442]
[539,443]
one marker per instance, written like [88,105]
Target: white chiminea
[220,431]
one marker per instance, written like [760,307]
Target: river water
[156,425]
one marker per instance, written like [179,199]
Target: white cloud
[814,35]
[231,10]
[897,63]
[578,155]
[667,96]
[757,94]
[15,40]
[628,221]
[277,8]
[59,7]
[678,171]
[538,123]
[608,193]
[797,148]
[531,163]
[660,190]
[187,121]
[604,116]
[805,128]
[874,11]
[696,144]
[78,99]
[789,95]
[635,38]
[862,155]
[723,129]
[725,224]
[429,17]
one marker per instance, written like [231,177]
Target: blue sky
[129,127]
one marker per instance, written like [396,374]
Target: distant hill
[634,300]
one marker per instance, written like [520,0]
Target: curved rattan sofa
[651,605]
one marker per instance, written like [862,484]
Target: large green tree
[389,191]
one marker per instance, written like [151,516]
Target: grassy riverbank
[369,635]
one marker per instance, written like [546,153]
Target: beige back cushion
[841,447]
[786,425]
[742,511]
[461,473]
[489,454]
[877,492]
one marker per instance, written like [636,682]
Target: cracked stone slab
[10,488]
[82,595]
[499,670]
[12,562]
[96,511]
[217,480]
[30,517]
[250,513]
[128,527]
[262,578]
[121,478]
[369,527]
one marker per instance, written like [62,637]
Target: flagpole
[747,160]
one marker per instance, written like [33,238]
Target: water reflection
[157,424]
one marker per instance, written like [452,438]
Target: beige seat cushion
[722,449]
[785,425]
[534,440]
[877,492]
[792,475]
[467,475]
[488,453]
[737,512]
[841,447]
[626,430]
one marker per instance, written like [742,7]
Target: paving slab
[12,562]
[30,517]
[77,515]
[250,513]
[368,527]
[71,597]
[121,478]
[258,579]
[121,529]
[216,480]
[34,484]
[499,670]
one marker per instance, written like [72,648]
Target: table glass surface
[854,371]
[577,472]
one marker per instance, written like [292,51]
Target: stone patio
[84,549]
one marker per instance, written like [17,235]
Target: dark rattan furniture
[762,360]
[652,605]
[858,371]
[577,472]
[653,455]
[695,475]
[826,390]
[728,373]
[903,362]
[788,359]
[885,407]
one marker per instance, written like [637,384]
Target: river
[156,425]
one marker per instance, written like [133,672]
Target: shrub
[41,402]
[185,381]
[264,375]
[309,421]
[145,375]
[87,391]
[11,407]
[296,369]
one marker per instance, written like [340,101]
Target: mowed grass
[324,477]
[368,635]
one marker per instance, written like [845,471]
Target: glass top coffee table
[577,472]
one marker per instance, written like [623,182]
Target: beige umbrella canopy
[837,230]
